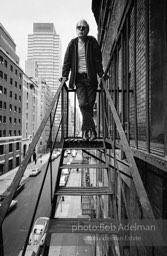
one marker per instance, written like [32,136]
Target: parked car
[69,162]
[12,206]
[65,154]
[65,171]
[37,237]
[63,180]
[38,234]
[74,153]
[34,172]
[55,155]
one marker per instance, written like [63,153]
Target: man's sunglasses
[81,27]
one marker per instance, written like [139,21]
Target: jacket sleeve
[67,62]
[98,58]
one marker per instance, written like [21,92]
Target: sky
[18,16]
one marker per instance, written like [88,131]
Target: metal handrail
[15,183]
[141,192]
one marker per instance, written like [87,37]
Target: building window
[11,81]
[20,98]
[20,76]
[4,133]
[1,89]
[10,107]
[1,59]
[14,132]
[0,104]
[10,94]
[1,149]
[5,91]
[10,133]
[15,96]
[10,165]
[6,64]
[15,120]
[15,84]
[11,68]
[16,72]
[19,132]
[19,86]
[17,146]
[10,120]
[5,77]
[19,121]
[19,110]
[0,119]
[4,119]
[1,74]
[15,108]
[4,105]
[10,147]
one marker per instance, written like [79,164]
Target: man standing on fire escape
[84,60]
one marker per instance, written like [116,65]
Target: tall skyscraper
[44,47]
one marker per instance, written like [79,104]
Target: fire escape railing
[113,132]
[20,172]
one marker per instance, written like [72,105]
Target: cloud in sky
[18,17]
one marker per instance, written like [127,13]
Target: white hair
[85,22]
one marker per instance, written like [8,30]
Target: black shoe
[93,134]
[85,135]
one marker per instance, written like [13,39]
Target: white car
[38,234]
[65,154]
[12,206]
[34,172]
[65,171]
[55,155]
[74,153]
[63,180]
[37,237]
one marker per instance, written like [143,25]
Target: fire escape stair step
[79,191]
[83,225]
[83,165]
[79,143]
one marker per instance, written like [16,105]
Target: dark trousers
[86,94]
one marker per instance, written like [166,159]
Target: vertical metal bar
[1,242]
[123,88]
[115,98]
[62,109]
[67,110]
[98,114]
[135,89]
[50,157]
[127,76]
[74,114]
[147,77]
[165,78]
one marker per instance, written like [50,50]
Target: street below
[16,224]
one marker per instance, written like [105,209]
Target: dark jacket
[93,60]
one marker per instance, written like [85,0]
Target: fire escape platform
[87,191]
[79,143]
[80,225]
[83,165]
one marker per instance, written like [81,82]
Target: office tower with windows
[11,81]
[44,47]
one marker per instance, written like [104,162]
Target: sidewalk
[6,178]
